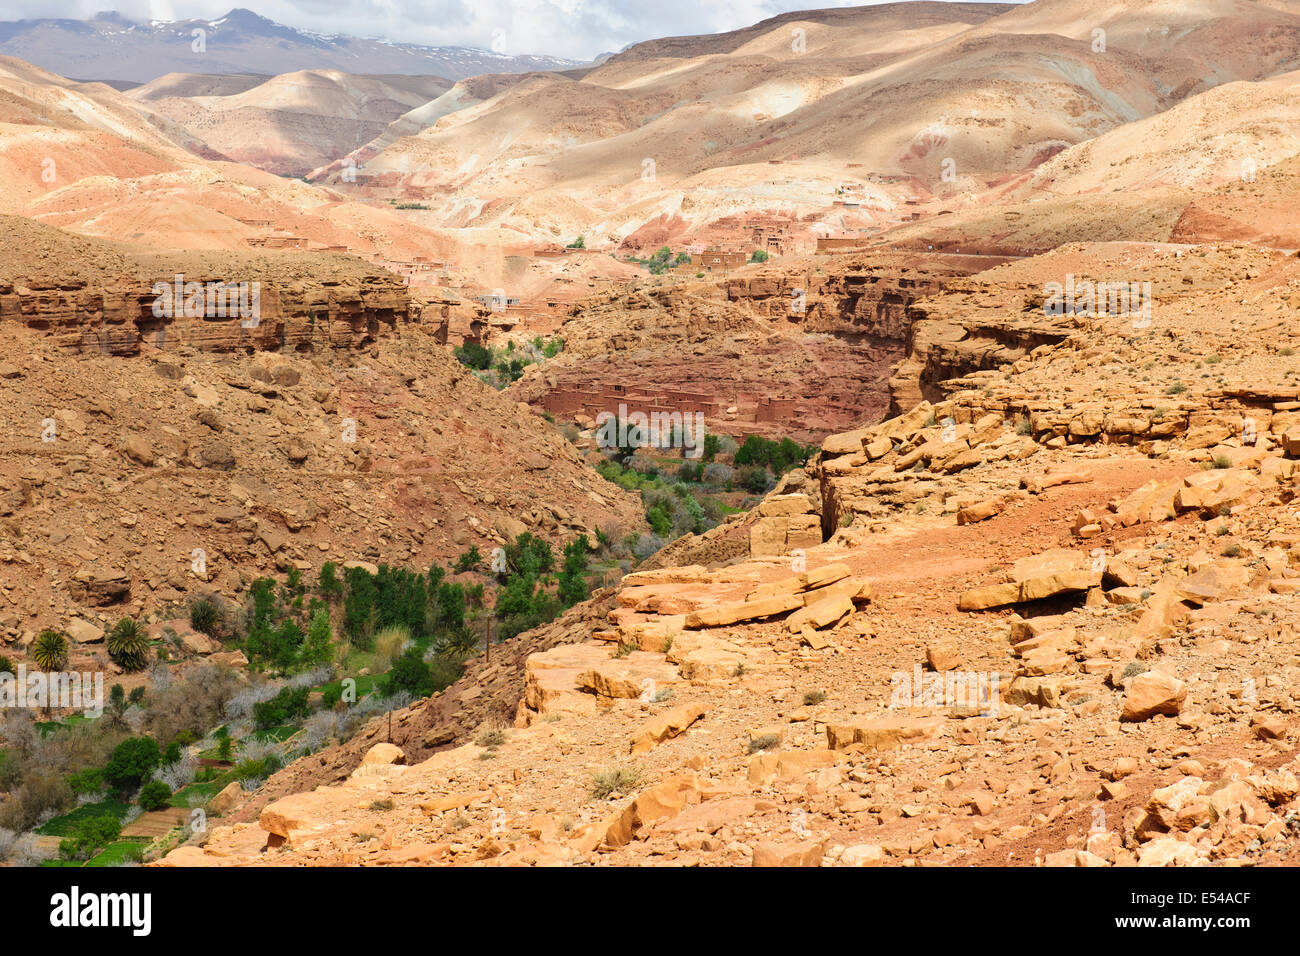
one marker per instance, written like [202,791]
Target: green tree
[359,606]
[263,595]
[328,583]
[132,761]
[88,780]
[573,577]
[154,795]
[317,649]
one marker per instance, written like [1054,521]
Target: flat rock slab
[551,677]
[884,733]
[1035,578]
[629,677]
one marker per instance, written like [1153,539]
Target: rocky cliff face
[799,351]
[298,302]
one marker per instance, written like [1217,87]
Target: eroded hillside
[1043,617]
[330,425]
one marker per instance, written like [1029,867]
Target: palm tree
[50,650]
[128,645]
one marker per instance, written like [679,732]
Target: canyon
[1024,595]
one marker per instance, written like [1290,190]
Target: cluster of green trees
[286,628]
[662,261]
[430,608]
[672,508]
[129,767]
[89,836]
[502,366]
[533,592]
[778,456]
[285,632]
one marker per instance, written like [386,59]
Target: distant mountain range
[111,47]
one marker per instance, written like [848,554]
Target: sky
[577,29]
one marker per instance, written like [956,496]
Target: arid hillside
[920,102]
[289,124]
[327,424]
[1044,616]
[971,538]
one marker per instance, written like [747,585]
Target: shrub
[474,356]
[390,642]
[757,481]
[468,561]
[154,795]
[410,673]
[444,670]
[128,645]
[50,650]
[195,705]
[646,545]
[529,554]
[204,617]
[605,783]
[133,760]
[288,704]
[6,665]
[522,605]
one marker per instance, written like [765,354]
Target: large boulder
[1153,693]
